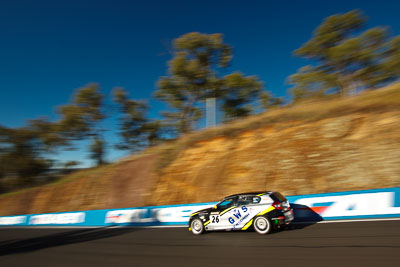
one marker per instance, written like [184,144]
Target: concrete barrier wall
[377,203]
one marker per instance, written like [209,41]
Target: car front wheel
[262,225]
[197,226]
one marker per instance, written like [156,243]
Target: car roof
[250,193]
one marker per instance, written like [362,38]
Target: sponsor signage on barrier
[59,218]
[154,215]
[375,203]
[13,220]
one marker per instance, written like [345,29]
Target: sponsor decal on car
[237,218]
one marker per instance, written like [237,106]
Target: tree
[132,121]
[24,151]
[346,61]
[49,133]
[268,101]
[70,164]
[81,118]
[192,77]
[310,83]
[392,64]
[136,130]
[237,93]
[21,152]
[97,151]
[154,130]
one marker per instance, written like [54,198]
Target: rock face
[350,152]
[353,152]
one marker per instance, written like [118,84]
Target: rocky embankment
[352,152]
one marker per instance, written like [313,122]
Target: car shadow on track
[304,216]
[59,239]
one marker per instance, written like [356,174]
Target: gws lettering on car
[237,212]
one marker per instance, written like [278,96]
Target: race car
[262,211]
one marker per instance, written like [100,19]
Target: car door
[236,215]
[241,214]
[219,217]
[247,208]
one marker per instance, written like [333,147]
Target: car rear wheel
[197,226]
[262,225]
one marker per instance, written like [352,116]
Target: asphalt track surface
[331,244]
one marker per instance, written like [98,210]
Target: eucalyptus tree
[345,59]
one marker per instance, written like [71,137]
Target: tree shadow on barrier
[59,239]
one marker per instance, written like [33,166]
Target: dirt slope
[126,184]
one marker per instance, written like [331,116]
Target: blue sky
[50,48]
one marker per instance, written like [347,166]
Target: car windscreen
[276,196]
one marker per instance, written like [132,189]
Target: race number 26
[215,219]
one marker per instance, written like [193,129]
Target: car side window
[255,200]
[249,200]
[245,200]
[225,204]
